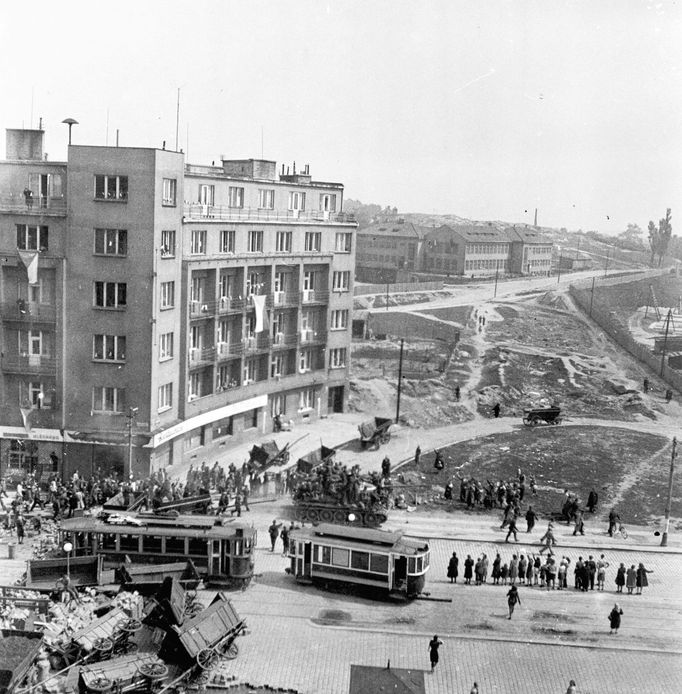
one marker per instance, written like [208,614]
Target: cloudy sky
[482,109]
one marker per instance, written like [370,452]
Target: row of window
[345,558]
[266,198]
[283,242]
[488,264]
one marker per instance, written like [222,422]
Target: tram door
[303,559]
[399,571]
[214,565]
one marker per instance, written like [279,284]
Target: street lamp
[67,547]
[70,122]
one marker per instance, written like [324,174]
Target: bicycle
[623,531]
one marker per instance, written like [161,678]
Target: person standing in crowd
[468,569]
[620,578]
[512,599]
[453,568]
[497,562]
[613,517]
[531,517]
[513,569]
[434,644]
[614,618]
[631,579]
[591,566]
[602,565]
[642,581]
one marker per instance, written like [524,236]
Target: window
[283,242]
[198,242]
[168,243]
[305,360]
[340,556]
[327,202]
[278,404]
[194,386]
[111,187]
[227,241]
[236,197]
[197,289]
[165,397]
[206,194]
[254,283]
[266,199]
[167,294]
[249,371]
[110,294]
[169,189]
[225,286]
[296,200]
[343,241]
[165,346]
[313,240]
[109,348]
[280,282]
[32,342]
[111,242]
[341,281]
[222,428]
[225,378]
[36,395]
[31,238]
[359,560]
[108,399]
[35,292]
[308,280]
[196,337]
[277,325]
[339,319]
[337,358]
[255,242]
[323,555]
[276,365]
[378,563]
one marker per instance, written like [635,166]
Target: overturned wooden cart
[375,432]
[206,638]
[541,415]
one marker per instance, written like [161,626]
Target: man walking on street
[531,517]
[273,531]
[512,529]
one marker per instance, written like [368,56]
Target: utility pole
[591,297]
[400,379]
[664,539]
[497,272]
[561,257]
[130,418]
[668,318]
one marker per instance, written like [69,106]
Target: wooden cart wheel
[130,625]
[100,684]
[194,609]
[154,671]
[207,659]
[103,645]
[232,651]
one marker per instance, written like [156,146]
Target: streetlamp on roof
[70,122]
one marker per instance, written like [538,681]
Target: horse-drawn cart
[375,432]
[545,415]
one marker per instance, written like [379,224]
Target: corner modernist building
[153,311]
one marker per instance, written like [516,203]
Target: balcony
[26,311]
[223,213]
[313,296]
[283,340]
[229,305]
[229,350]
[28,364]
[257,343]
[51,207]
[283,299]
[312,337]
[201,356]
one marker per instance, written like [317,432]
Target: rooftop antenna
[535,223]
[177,120]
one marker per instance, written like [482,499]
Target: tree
[659,238]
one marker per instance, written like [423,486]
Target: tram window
[419,565]
[426,560]
[360,560]
[247,546]
[108,541]
[378,563]
[292,547]
[323,555]
[411,566]
[175,545]
[340,556]
[130,543]
[300,548]
[81,540]
[151,543]
[237,548]
[197,545]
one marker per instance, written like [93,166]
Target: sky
[486,109]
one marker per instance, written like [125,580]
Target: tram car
[384,561]
[221,549]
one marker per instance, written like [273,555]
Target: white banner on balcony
[261,316]
[25,414]
[30,260]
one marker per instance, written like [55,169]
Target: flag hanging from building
[261,316]
[30,260]
[25,415]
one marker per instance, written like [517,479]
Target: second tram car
[224,551]
[379,559]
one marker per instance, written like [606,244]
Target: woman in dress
[631,579]
[512,599]
[496,569]
[642,581]
[614,618]
[434,644]
[453,568]
[468,569]
[513,570]
[620,578]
